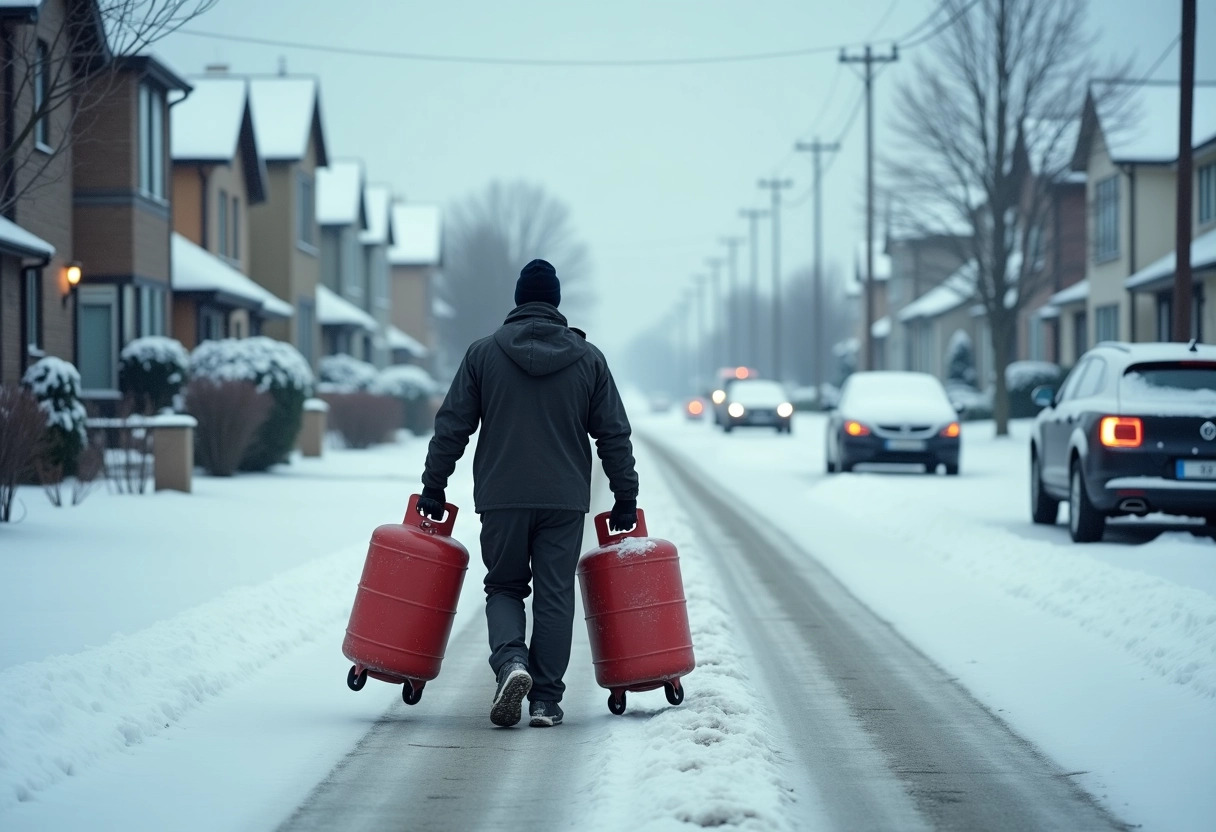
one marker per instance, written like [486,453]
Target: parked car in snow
[887,416]
[1132,430]
[757,402]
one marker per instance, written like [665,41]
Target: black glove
[624,516]
[431,503]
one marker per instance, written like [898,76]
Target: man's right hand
[624,516]
[431,503]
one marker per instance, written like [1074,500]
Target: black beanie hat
[538,282]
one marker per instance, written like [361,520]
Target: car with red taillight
[893,417]
[1131,431]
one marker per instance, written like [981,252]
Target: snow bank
[64,713]
[711,761]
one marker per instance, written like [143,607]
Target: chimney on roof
[216,69]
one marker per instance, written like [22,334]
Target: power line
[946,24]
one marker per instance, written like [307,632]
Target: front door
[97,340]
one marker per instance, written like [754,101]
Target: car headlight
[735,409]
[785,410]
[719,396]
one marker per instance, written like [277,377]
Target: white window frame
[152,142]
[1106,219]
[100,296]
[1106,323]
[221,223]
[31,290]
[1206,188]
[306,211]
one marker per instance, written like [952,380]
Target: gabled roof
[340,195]
[417,235]
[950,294]
[215,125]
[378,200]
[1151,107]
[16,240]
[197,270]
[335,310]
[286,116]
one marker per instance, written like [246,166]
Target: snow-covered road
[875,650]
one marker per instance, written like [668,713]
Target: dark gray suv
[1132,431]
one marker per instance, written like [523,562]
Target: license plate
[1196,469]
[905,444]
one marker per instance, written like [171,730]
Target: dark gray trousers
[519,546]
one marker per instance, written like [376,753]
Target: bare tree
[62,69]
[989,125]
[490,236]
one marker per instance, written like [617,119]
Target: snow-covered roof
[340,194]
[378,200]
[335,310]
[950,294]
[440,308]
[882,327]
[16,240]
[882,262]
[285,110]
[197,270]
[1152,108]
[1076,293]
[1203,256]
[1050,143]
[417,231]
[207,123]
[398,340]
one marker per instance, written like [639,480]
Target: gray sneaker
[514,682]
[545,714]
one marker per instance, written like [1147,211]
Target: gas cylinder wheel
[409,694]
[355,680]
[674,691]
[616,703]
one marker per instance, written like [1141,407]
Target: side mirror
[1043,396]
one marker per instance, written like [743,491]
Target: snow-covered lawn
[1104,655]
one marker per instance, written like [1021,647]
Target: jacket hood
[536,337]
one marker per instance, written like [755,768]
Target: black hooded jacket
[538,390]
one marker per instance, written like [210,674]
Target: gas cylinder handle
[442,527]
[606,537]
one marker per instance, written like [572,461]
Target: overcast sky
[654,162]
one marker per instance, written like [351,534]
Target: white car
[758,403]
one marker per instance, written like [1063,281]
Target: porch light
[72,273]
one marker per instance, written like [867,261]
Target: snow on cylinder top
[633,546]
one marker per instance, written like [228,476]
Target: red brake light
[1121,432]
[695,407]
[741,372]
[856,429]
[951,430]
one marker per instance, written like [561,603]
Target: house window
[151,310]
[1106,322]
[1165,315]
[1106,219]
[305,210]
[1207,193]
[31,290]
[236,228]
[1080,334]
[152,141]
[212,324]
[1034,248]
[306,320]
[42,92]
[222,223]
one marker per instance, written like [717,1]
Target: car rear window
[757,392]
[1193,382]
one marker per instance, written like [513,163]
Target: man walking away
[538,390]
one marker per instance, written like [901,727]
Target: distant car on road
[694,408]
[1132,430]
[757,403]
[726,377]
[887,416]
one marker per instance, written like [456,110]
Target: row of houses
[151,203]
[1101,264]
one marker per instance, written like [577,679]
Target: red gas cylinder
[637,618]
[403,612]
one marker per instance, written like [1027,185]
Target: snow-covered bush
[151,371]
[229,414]
[274,367]
[415,387]
[55,383]
[364,419]
[343,373]
[960,358]
[22,426]
[1021,377]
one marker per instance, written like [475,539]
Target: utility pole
[869,59]
[776,186]
[1182,236]
[734,347]
[715,264]
[818,148]
[699,281]
[753,217]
